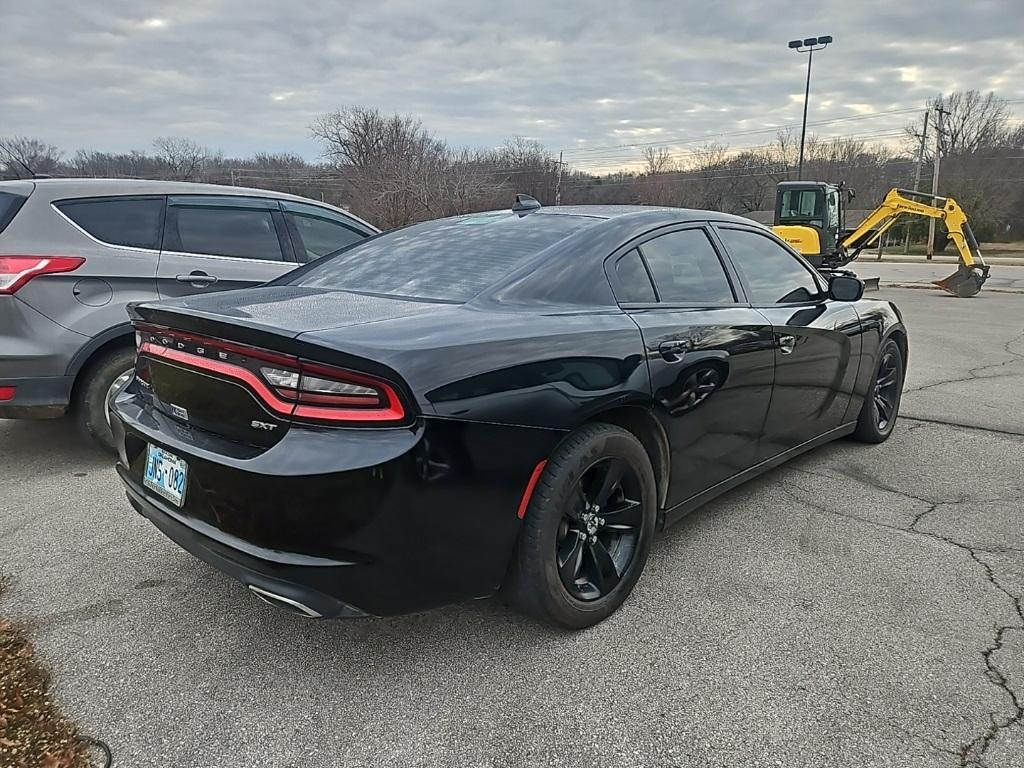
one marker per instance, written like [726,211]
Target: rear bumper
[306,585]
[345,522]
[36,398]
[34,356]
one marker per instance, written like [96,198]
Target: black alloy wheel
[878,414]
[887,387]
[600,529]
[587,530]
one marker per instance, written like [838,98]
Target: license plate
[166,474]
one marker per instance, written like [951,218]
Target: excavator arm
[972,271]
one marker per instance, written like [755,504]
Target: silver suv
[74,252]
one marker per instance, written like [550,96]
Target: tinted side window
[247,233]
[685,267]
[773,274]
[634,282]
[134,222]
[321,236]
[9,206]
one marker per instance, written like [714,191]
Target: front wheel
[587,530]
[881,406]
[98,385]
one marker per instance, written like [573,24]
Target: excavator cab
[810,216]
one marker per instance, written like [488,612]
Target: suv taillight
[15,271]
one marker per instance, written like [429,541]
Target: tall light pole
[808,45]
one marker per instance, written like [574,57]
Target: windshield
[445,260]
[800,205]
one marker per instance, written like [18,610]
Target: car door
[317,231]
[220,242]
[709,354]
[817,340]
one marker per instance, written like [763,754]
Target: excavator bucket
[972,272]
[965,282]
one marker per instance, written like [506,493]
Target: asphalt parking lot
[859,607]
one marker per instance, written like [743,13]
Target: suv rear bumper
[34,356]
[37,398]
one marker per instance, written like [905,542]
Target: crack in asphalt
[971,753]
[962,426]
[974,373]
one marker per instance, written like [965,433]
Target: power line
[754,131]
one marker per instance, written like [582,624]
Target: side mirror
[851,194]
[845,288]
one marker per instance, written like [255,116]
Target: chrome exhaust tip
[284,602]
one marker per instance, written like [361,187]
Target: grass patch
[33,733]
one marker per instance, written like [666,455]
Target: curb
[1002,261]
[930,287]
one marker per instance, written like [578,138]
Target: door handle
[787,344]
[673,351]
[197,278]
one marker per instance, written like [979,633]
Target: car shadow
[34,446]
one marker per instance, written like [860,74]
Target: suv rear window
[131,221]
[9,206]
[445,260]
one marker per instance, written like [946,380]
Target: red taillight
[288,386]
[15,271]
[333,394]
[7,393]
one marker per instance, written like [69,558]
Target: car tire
[881,407]
[562,577]
[95,384]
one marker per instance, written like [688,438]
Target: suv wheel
[98,384]
[587,530]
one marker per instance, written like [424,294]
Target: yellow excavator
[811,217]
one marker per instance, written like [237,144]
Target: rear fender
[122,332]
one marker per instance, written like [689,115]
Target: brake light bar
[15,271]
[288,386]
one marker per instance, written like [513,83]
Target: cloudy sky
[247,75]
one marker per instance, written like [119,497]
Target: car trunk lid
[233,364]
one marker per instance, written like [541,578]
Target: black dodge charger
[511,401]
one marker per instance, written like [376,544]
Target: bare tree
[972,122]
[181,158]
[21,157]
[657,160]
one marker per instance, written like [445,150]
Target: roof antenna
[525,204]
[17,159]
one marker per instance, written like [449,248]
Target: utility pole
[233,178]
[917,175]
[558,181]
[939,114]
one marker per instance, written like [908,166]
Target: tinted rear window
[9,205]
[130,221]
[445,260]
[248,233]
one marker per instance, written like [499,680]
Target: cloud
[246,75]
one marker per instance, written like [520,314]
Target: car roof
[653,214]
[57,188]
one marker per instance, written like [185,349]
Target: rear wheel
[882,404]
[98,384]
[587,530]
